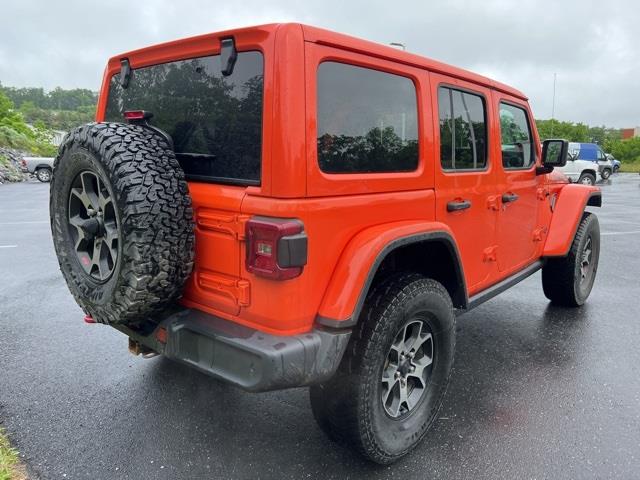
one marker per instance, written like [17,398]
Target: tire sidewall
[396,436]
[582,290]
[590,177]
[39,173]
[93,294]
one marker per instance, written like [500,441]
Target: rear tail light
[276,247]
[24,163]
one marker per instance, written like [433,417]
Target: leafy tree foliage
[15,133]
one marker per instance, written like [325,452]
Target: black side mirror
[554,153]
[228,56]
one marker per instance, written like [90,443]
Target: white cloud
[591,45]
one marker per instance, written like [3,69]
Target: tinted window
[463,133]
[367,120]
[517,147]
[215,121]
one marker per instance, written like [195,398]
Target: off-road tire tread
[156,221]
[558,274]
[346,424]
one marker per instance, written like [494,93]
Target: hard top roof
[327,37]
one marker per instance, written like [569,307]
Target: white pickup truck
[41,167]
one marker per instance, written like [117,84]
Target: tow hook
[136,348]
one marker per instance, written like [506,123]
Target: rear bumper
[250,359]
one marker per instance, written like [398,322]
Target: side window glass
[367,120]
[463,132]
[517,147]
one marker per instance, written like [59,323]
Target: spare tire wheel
[122,221]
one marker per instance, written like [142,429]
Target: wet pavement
[537,391]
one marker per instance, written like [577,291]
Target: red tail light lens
[133,116]
[276,247]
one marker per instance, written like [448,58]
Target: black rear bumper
[253,360]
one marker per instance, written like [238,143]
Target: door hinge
[490,254]
[493,202]
[539,234]
[542,193]
[232,225]
[239,291]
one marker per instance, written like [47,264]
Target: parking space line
[633,232]
[23,223]
[8,246]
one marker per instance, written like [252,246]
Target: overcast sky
[593,46]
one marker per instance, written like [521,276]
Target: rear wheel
[616,168]
[568,281]
[394,374]
[121,220]
[43,174]
[587,179]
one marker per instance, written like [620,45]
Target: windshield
[215,121]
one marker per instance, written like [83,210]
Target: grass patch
[10,466]
[630,167]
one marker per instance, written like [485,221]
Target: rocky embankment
[10,166]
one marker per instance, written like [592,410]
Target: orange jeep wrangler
[280,206]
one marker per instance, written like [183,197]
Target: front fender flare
[356,268]
[569,206]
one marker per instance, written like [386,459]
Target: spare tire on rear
[122,221]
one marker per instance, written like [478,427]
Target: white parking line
[8,246]
[634,232]
[23,223]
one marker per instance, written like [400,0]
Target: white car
[41,167]
[585,162]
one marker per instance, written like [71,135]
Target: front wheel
[43,174]
[606,173]
[615,169]
[587,179]
[568,281]
[394,374]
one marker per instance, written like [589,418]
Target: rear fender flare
[354,273]
[568,209]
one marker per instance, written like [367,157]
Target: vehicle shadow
[501,358]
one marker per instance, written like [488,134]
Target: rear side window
[463,130]
[215,121]
[367,120]
[517,147]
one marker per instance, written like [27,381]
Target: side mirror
[555,152]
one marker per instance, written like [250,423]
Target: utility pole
[553,103]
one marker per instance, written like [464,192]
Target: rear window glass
[367,120]
[463,131]
[215,121]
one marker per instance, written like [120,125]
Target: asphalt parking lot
[537,391]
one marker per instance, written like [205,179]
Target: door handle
[509,197]
[461,205]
